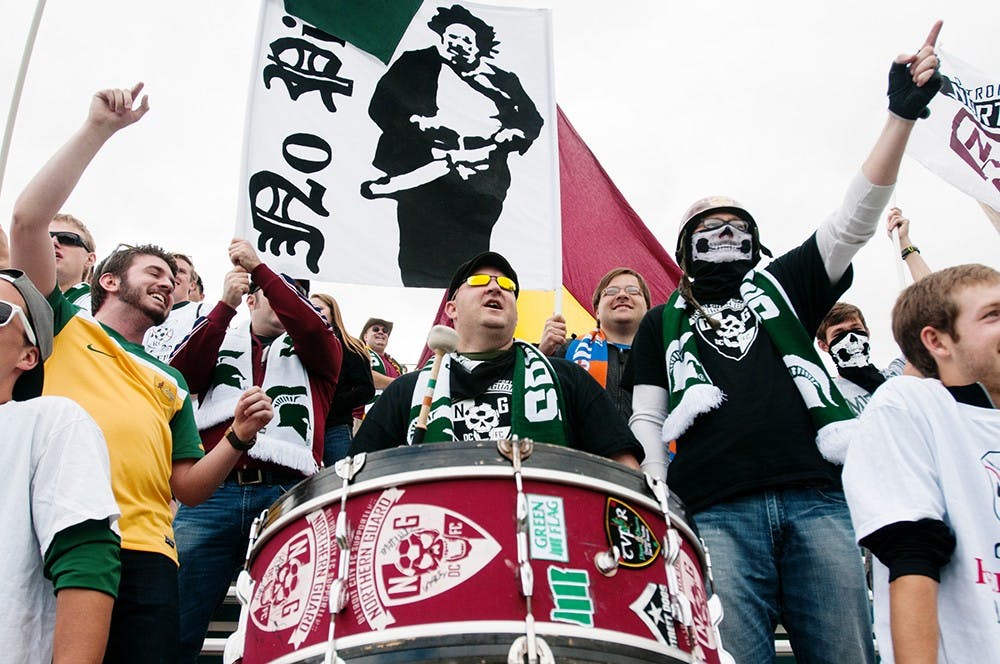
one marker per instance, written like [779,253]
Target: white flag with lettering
[960,141]
[361,172]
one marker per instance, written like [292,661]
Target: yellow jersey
[144,410]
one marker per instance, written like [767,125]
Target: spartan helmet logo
[424,550]
[482,418]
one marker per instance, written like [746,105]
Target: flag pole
[992,214]
[15,99]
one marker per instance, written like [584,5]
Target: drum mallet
[441,339]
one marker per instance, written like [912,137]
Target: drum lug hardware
[527,579]
[255,528]
[715,610]
[342,532]
[520,650]
[607,561]
[520,448]
[338,596]
[348,467]
[672,546]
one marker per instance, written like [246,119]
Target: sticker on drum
[408,552]
[547,528]
[653,609]
[571,596]
[628,531]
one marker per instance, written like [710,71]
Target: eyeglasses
[612,291]
[69,239]
[378,328]
[505,283]
[712,223]
[7,312]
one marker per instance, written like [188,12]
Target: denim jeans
[144,618]
[789,556]
[336,442]
[211,544]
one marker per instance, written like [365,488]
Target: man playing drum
[495,386]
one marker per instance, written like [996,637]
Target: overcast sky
[775,104]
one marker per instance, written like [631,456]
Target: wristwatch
[239,445]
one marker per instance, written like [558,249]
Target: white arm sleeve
[649,410]
[849,227]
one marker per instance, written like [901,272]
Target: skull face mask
[850,348]
[724,244]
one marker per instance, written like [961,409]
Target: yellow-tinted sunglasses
[505,283]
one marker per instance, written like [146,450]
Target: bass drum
[449,552]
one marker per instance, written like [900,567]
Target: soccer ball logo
[423,551]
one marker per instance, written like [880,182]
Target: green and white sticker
[547,528]
[571,596]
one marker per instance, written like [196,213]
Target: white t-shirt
[920,454]
[55,475]
[161,340]
[858,397]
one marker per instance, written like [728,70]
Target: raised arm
[31,247]
[908,252]
[913,82]
[316,344]
[4,250]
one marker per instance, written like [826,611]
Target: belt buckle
[249,476]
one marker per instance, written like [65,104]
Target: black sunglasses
[69,239]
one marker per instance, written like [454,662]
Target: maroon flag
[600,229]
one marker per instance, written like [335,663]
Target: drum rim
[515,628]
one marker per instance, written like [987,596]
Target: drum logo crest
[628,531]
[292,592]
[408,552]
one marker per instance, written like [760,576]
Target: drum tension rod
[346,469]
[529,646]
[680,605]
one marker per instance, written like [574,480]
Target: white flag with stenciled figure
[960,141]
[360,172]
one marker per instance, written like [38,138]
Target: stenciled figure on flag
[450,119]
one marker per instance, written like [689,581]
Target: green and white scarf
[691,391]
[537,405]
[287,439]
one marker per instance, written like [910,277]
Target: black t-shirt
[761,436]
[481,408]
[354,388]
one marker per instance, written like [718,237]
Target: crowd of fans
[150,396]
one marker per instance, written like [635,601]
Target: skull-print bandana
[724,244]
[850,348]
[851,353]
